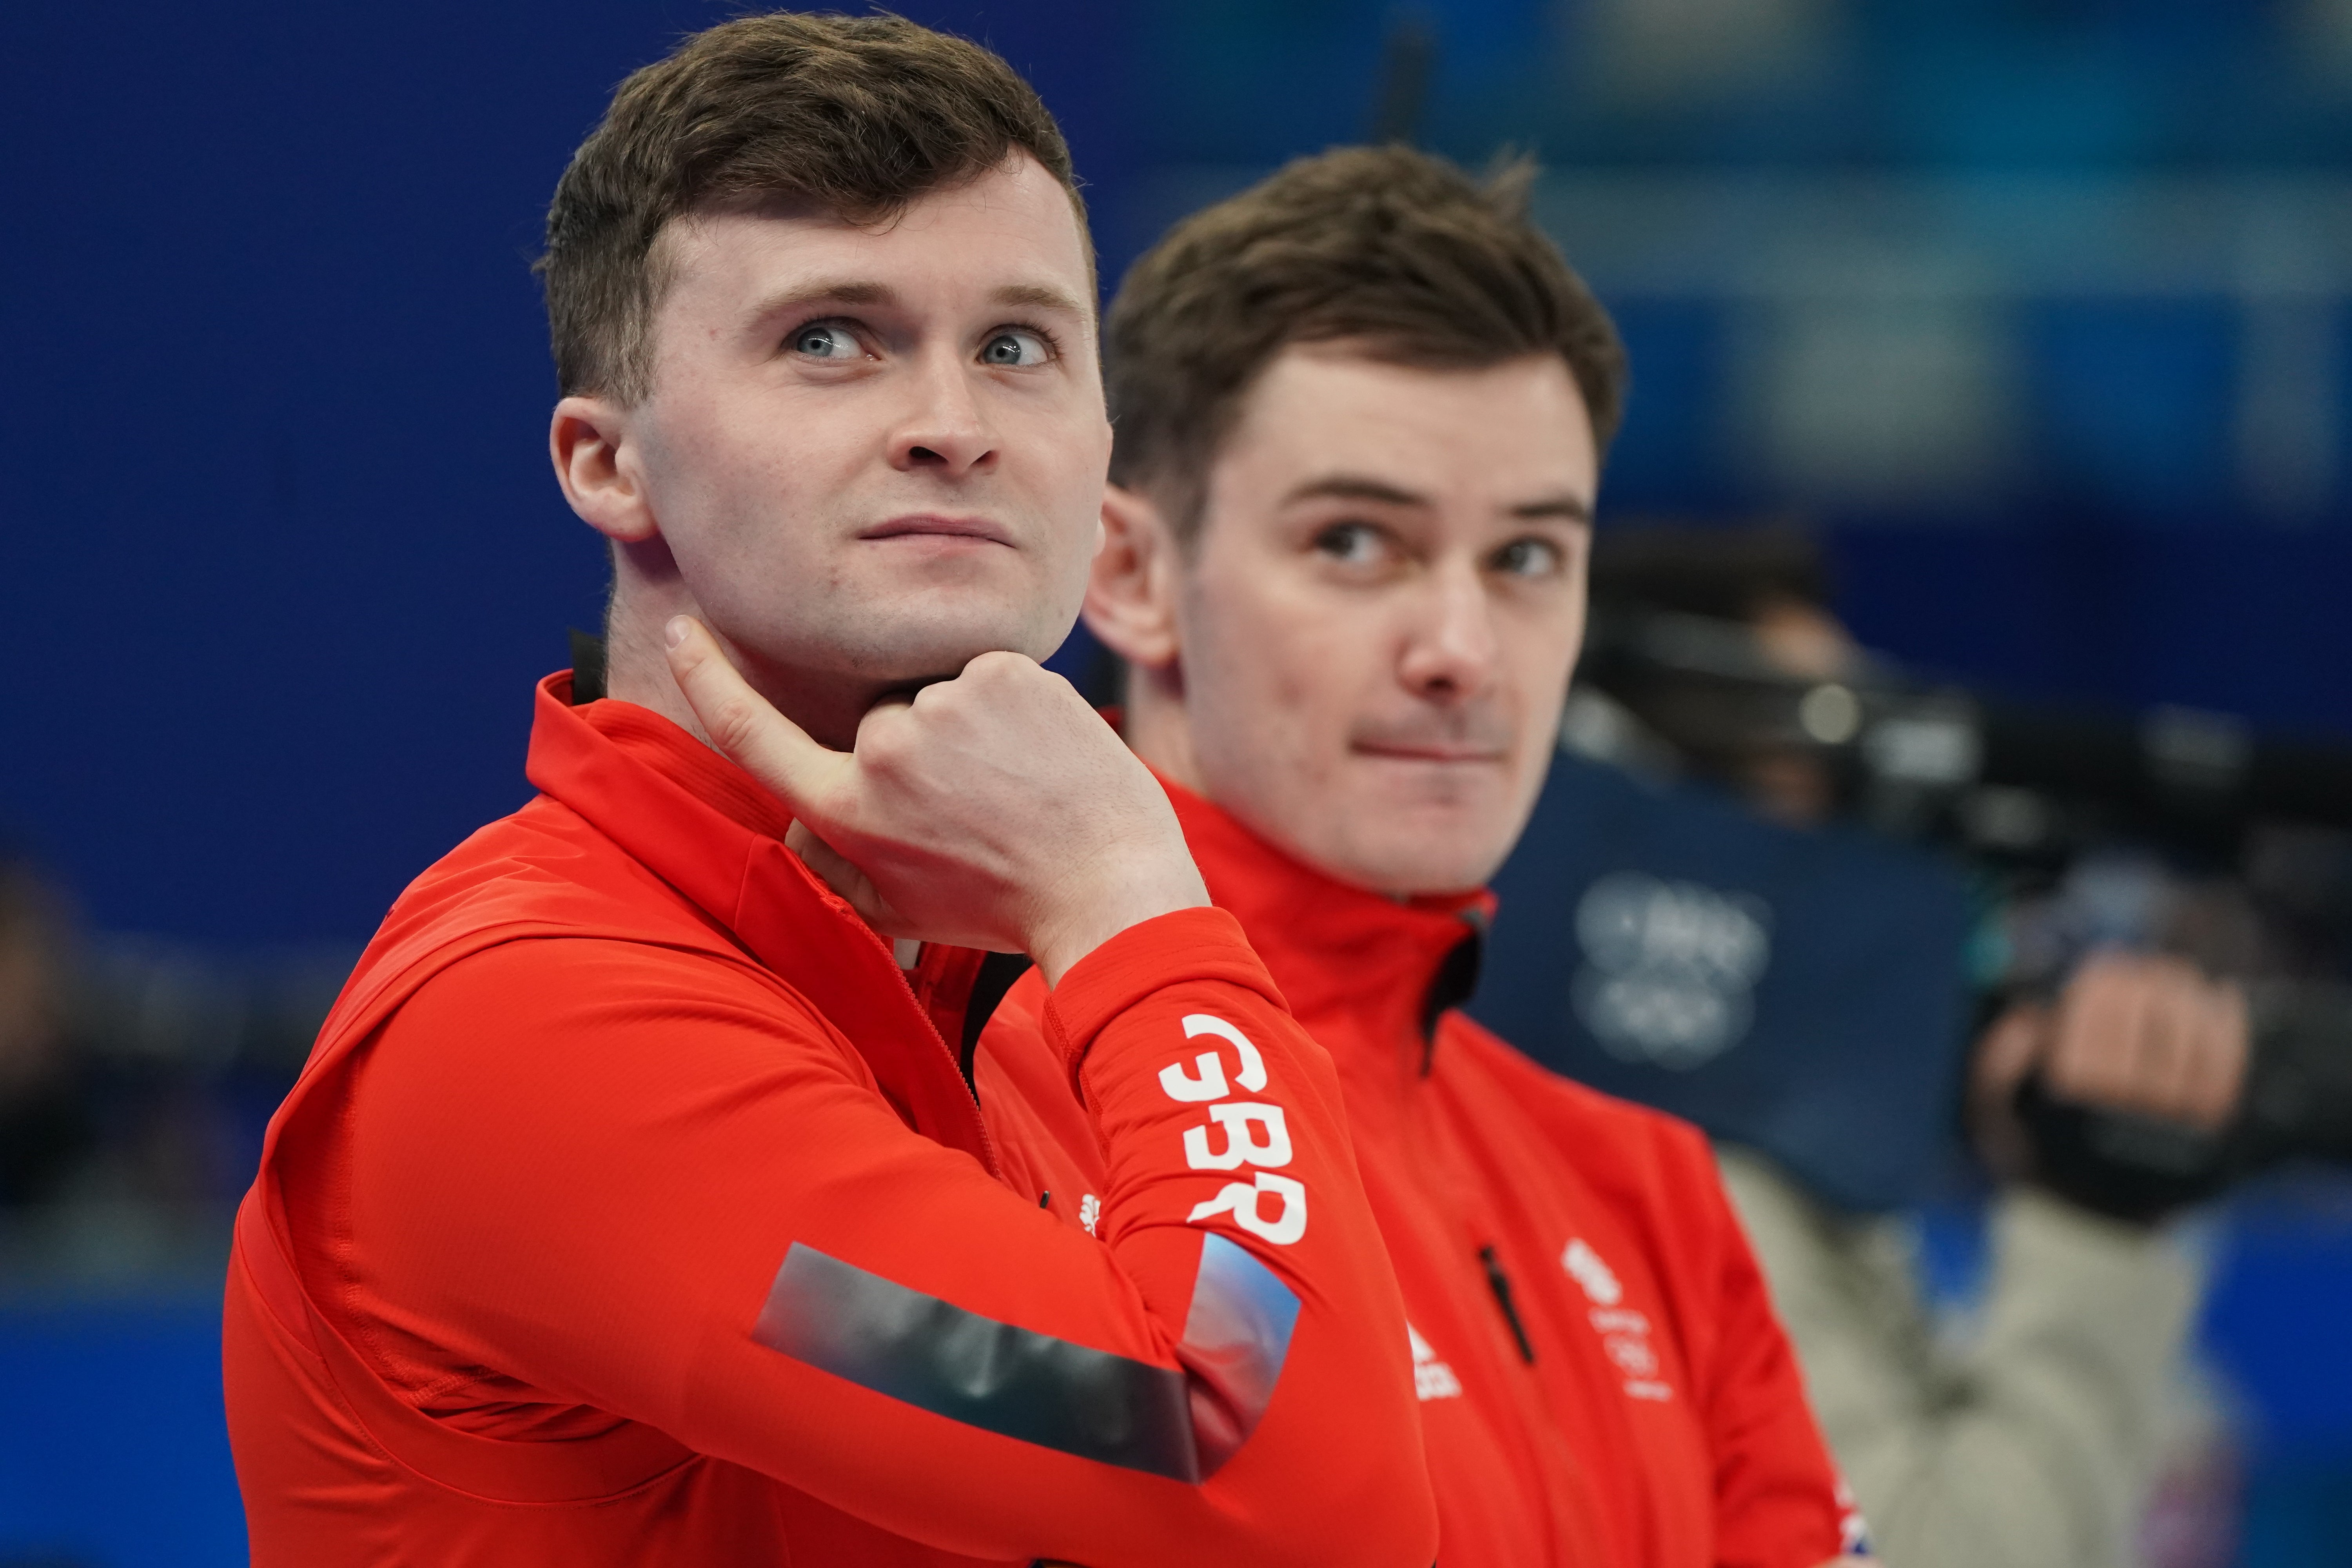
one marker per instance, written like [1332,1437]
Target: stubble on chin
[1443,836]
[909,646]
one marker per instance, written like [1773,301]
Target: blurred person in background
[135,1074]
[1360,409]
[45,1119]
[2037,1442]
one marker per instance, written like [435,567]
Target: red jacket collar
[1335,949]
[709,830]
[681,810]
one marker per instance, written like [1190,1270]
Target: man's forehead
[1345,425]
[1012,233]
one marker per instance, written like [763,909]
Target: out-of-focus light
[1830,714]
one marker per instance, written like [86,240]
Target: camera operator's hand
[993,810]
[2144,1036]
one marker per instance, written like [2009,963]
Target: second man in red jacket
[1360,412]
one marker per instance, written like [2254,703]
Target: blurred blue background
[2036,308]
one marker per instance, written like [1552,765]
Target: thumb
[747,729]
[2009,1050]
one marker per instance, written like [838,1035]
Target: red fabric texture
[494,1291]
[1662,1423]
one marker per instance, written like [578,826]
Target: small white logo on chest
[1584,1266]
[1432,1378]
[1089,1211]
[1625,1333]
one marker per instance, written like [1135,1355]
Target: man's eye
[1354,543]
[1528,558]
[1014,349]
[823,340]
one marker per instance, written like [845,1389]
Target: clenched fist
[2148,1036]
[994,810]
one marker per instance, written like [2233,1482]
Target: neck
[646,593]
[1158,726]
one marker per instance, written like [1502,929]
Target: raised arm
[710,1222]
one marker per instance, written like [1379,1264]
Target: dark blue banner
[1804,992]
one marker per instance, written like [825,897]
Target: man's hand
[2148,1036]
[994,810]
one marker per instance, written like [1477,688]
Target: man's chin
[1414,854]
[913,649]
[1419,876]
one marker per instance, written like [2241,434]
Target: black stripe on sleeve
[1020,1384]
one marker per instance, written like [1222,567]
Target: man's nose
[944,426]
[1450,648]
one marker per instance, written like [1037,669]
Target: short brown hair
[1384,245]
[860,114]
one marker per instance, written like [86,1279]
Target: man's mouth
[1432,750]
[935,525]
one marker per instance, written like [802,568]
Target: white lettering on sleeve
[1256,1134]
[1242,1203]
[1184,1087]
[1269,1145]
[1252,1074]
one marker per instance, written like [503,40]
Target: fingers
[2096,1059]
[2174,1019]
[2218,1072]
[834,871]
[2151,1035]
[2008,1050]
[747,729]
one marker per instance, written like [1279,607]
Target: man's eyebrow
[1567,508]
[825,291]
[1039,296]
[1353,487]
[865,292]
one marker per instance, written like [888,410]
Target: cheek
[696,453]
[1056,462]
[1540,659]
[742,480]
[1537,642]
[1273,677]
[1071,494]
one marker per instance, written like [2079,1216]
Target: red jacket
[1603,1383]
[632,1210]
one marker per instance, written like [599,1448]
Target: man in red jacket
[631,1208]
[1360,412]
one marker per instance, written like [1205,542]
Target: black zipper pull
[1500,1283]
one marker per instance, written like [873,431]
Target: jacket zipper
[955,1061]
[1501,1284]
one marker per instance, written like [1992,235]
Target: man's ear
[1131,593]
[596,464]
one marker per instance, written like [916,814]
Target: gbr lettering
[1249,1132]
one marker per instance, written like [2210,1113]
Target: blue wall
[112,1452]
[282,551]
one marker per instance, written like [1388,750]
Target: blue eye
[822,340]
[1530,558]
[1014,349]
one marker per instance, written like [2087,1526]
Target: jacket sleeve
[1780,1502]
[2037,1446]
[657,1186]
